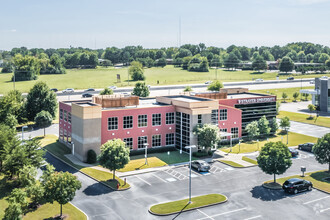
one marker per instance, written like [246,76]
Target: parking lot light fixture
[146,152]
[24,127]
[190,150]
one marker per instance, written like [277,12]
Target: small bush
[91,156]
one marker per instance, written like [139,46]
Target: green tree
[295,96]
[36,193]
[187,89]
[43,120]
[274,158]
[305,95]
[285,124]
[7,135]
[286,65]
[231,61]
[12,108]
[327,63]
[259,63]
[141,89]
[19,196]
[323,58]
[252,129]
[114,155]
[273,126]
[311,108]
[263,125]
[26,68]
[208,135]
[216,61]
[13,211]
[106,91]
[161,62]
[7,67]
[61,187]
[321,150]
[27,176]
[40,98]
[135,70]
[215,86]
[284,96]
[11,121]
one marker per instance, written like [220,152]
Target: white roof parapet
[310,91]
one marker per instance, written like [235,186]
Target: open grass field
[182,205]
[321,121]
[103,77]
[252,146]
[288,91]
[317,178]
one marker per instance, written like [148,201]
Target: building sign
[257,100]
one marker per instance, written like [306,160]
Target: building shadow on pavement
[97,189]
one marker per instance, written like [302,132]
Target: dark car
[296,185]
[293,152]
[290,78]
[85,95]
[89,90]
[306,147]
[200,166]
[54,89]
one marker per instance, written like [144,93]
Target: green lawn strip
[299,117]
[58,149]
[104,77]
[139,164]
[252,146]
[247,159]
[181,205]
[231,163]
[317,178]
[105,177]
[278,92]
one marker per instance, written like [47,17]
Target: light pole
[190,147]
[72,148]
[146,152]
[23,132]
[239,145]
[258,143]
[287,137]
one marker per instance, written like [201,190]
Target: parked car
[296,185]
[259,80]
[200,166]
[306,147]
[54,89]
[312,82]
[85,95]
[293,152]
[112,87]
[290,78]
[89,90]
[324,77]
[68,90]
[208,82]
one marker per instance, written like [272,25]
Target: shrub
[91,156]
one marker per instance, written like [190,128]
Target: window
[170,118]
[65,116]
[223,130]
[215,116]
[234,132]
[69,138]
[128,122]
[69,117]
[199,121]
[61,114]
[142,121]
[112,123]
[141,141]
[156,119]
[223,114]
[61,134]
[65,136]
[170,139]
[129,142]
[156,140]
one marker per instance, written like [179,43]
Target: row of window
[65,115]
[65,136]
[142,121]
[156,141]
[234,132]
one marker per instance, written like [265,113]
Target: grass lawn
[231,163]
[317,178]
[288,91]
[103,77]
[248,147]
[177,206]
[321,121]
[247,159]
[46,211]
[139,164]
[52,145]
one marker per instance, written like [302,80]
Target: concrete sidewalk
[237,158]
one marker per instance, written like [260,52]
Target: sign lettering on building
[257,100]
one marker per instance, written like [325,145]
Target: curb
[267,187]
[188,209]
[80,210]
[150,171]
[86,174]
[236,167]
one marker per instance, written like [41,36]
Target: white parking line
[323,210]
[143,180]
[254,217]
[316,200]
[205,214]
[224,213]
[159,178]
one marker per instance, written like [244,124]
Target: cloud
[307,2]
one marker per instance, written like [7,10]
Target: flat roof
[186,98]
[143,103]
[244,95]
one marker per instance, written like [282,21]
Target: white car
[208,82]
[324,77]
[312,82]
[112,87]
[259,80]
[68,90]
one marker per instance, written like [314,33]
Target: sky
[154,23]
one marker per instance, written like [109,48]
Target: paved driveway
[308,129]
